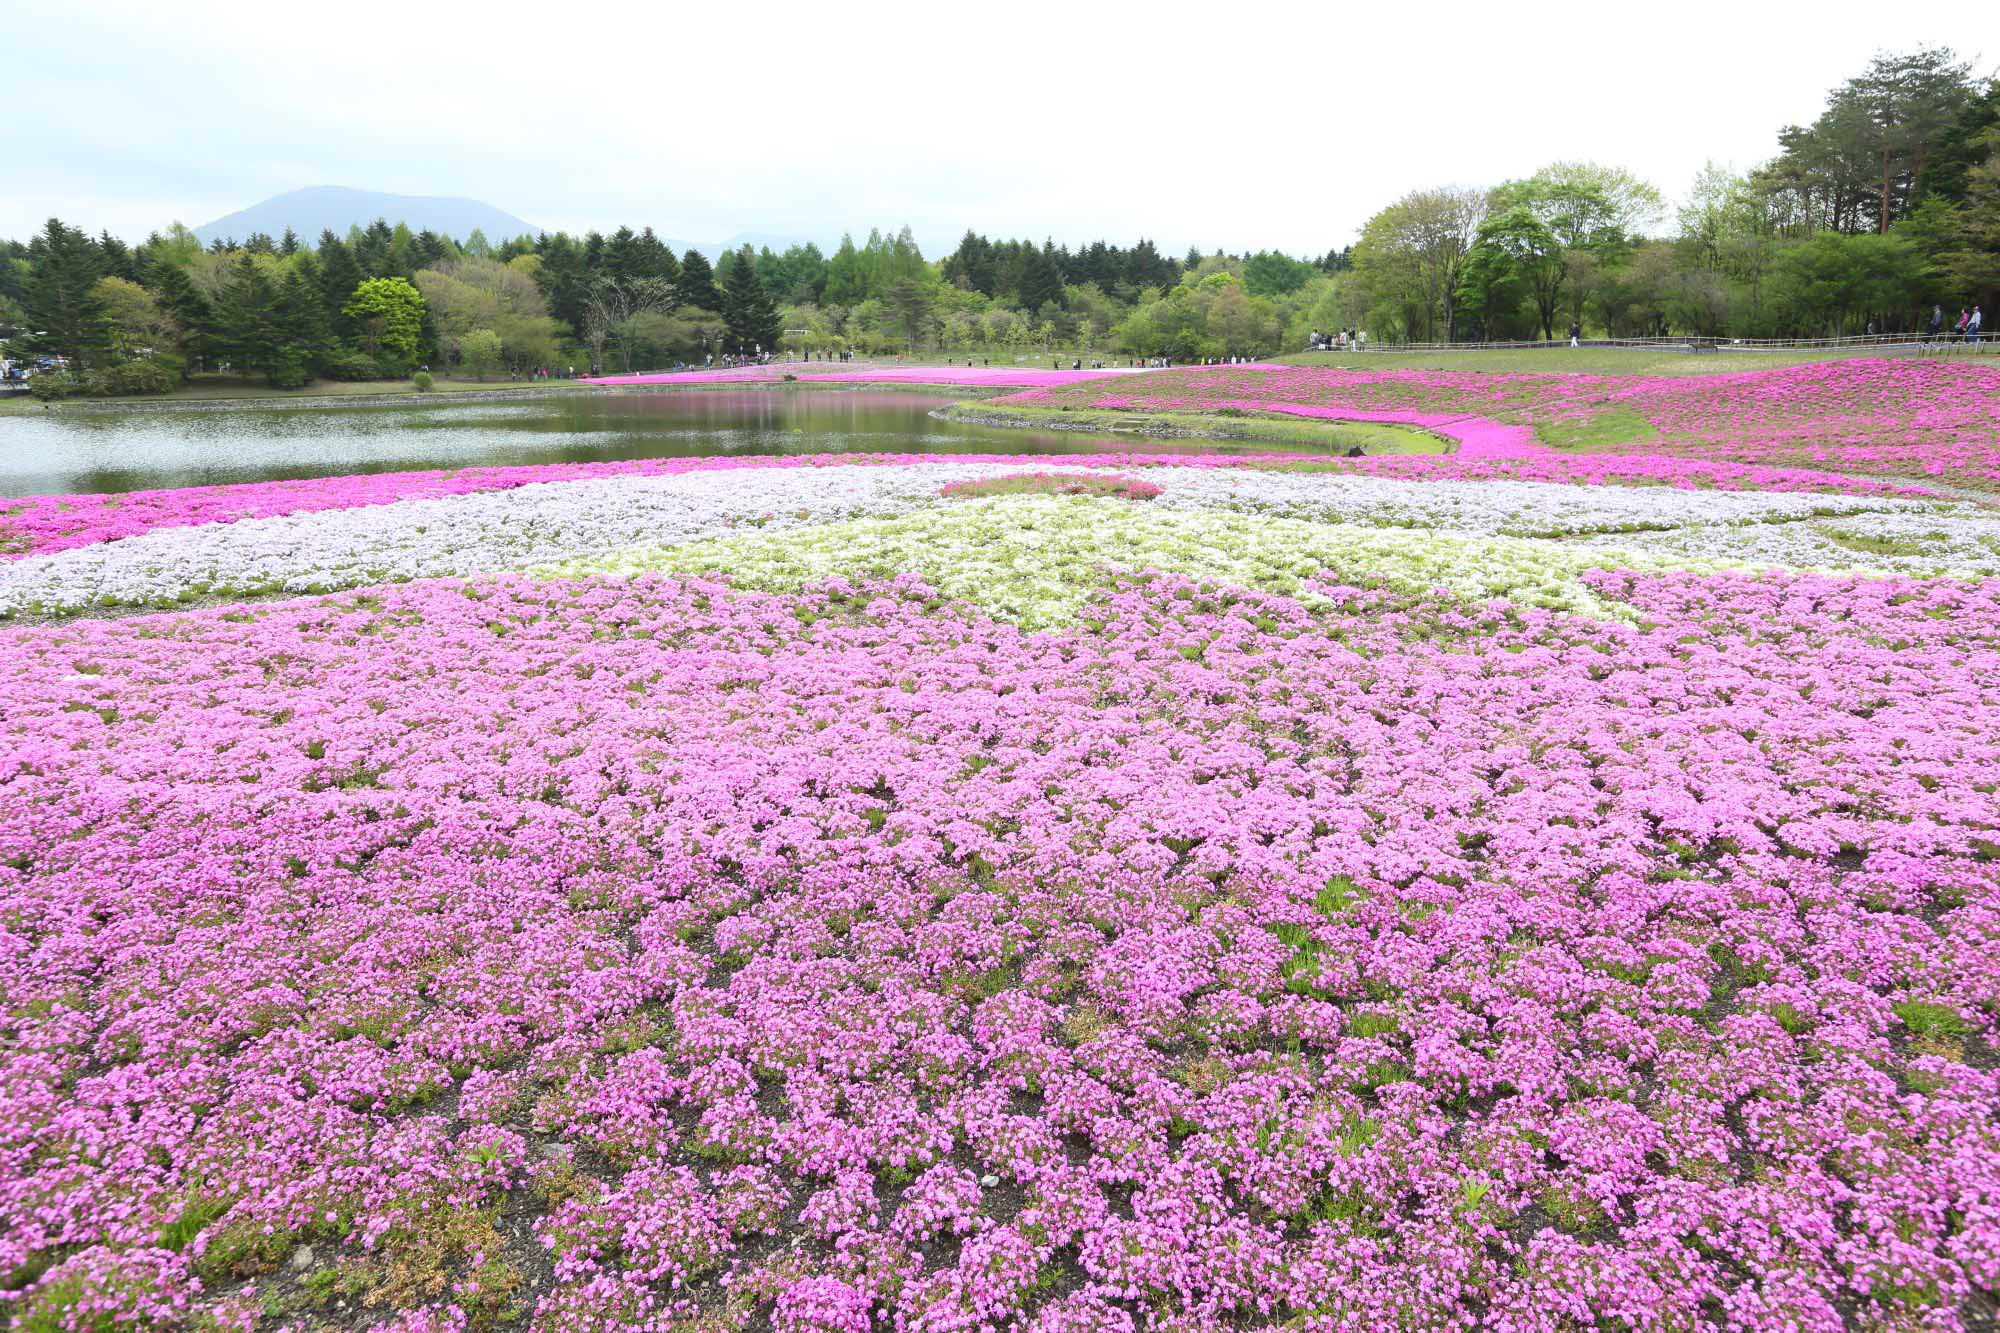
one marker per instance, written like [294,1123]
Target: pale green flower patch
[1035,560]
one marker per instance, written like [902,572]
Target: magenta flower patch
[614,953]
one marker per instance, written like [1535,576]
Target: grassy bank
[1320,436]
[232,389]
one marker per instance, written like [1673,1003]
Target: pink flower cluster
[622,953]
[1906,417]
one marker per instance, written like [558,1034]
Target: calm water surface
[59,453]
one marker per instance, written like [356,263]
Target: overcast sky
[1243,126]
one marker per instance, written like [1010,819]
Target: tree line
[1883,208]
[1885,205]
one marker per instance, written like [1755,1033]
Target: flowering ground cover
[623,952]
[39,525]
[1909,417]
[632,521]
[933,895]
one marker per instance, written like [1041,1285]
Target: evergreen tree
[564,278]
[246,333]
[696,285]
[1963,145]
[63,266]
[183,301]
[372,251]
[1145,266]
[339,274]
[747,312]
[1041,284]
[115,259]
[428,249]
[654,260]
[288,244]
[972,263]
[300,325]
[621,256]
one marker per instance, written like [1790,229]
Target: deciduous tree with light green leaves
[390,315]
[1515,256]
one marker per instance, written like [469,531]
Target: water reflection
[58,452]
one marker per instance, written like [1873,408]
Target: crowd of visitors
[1340,340]
[1964,329]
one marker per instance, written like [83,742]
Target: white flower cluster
[1948,542]
[1035,560]
[1495,508]
[1029,560]
[487,531]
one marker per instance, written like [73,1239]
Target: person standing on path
[1937,322]
[1972,326]
[1576,333]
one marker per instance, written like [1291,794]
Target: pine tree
[339,274]
[696,285]
[115,259]
[181,299]
[372,252]
[563,277]
[655,261]
[245,327]
[621,256]
[299,325]
[1041,284]
[747,311]
[63,264]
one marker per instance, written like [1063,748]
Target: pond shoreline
[497,394]
[1184,426]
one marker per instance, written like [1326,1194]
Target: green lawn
[1371,437]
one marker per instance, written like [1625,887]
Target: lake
[60,453]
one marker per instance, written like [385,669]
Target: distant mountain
[311,211]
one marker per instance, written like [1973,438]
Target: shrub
[351,367]
[422,379]
[158,374]
[289,370]
[54,385]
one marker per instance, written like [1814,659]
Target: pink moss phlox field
[1539,464]
[845,960]
[1909,416]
